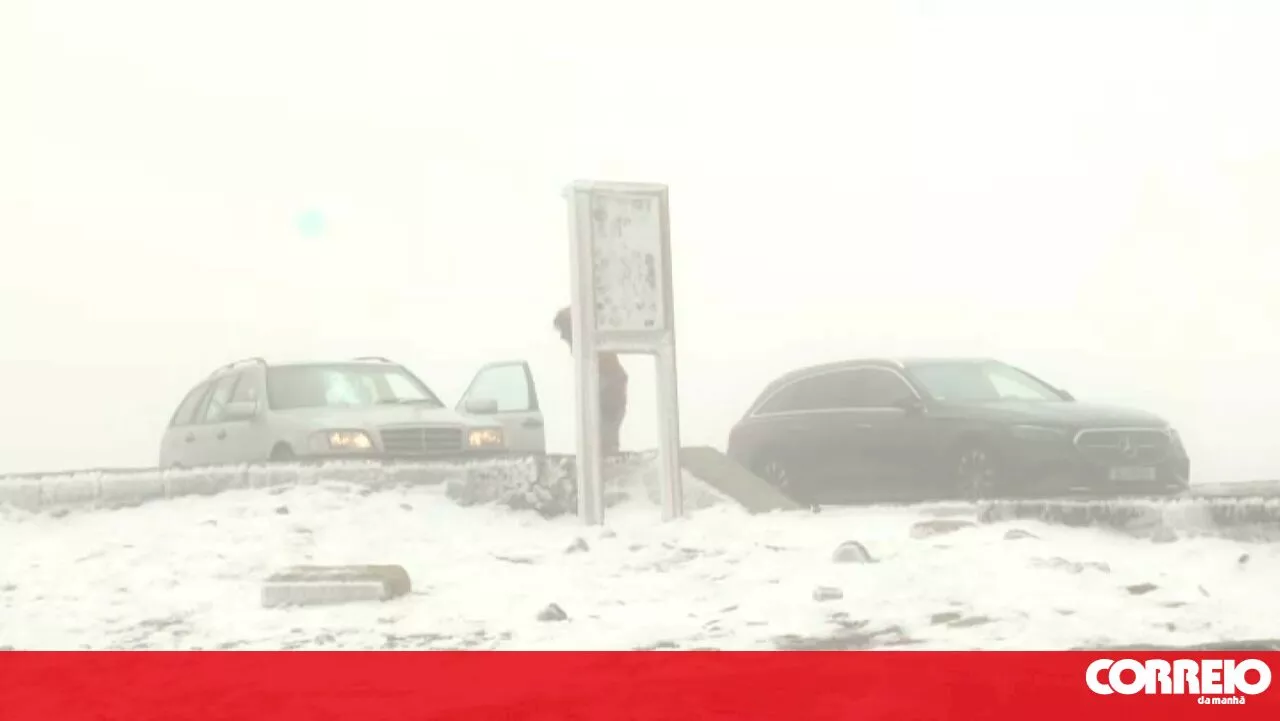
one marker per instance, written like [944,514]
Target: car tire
[975,471]
[282,453]
[774,471]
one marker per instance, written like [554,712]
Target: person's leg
[610,432]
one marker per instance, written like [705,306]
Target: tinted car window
[874,388]
[186,413]
[981,382]
[856,388]
[802,395]
[842,389]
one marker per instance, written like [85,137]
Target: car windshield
[981,382]
[344,386]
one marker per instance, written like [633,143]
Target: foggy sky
[1086,189]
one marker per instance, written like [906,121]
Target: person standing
[613,388]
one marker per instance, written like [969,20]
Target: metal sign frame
[631,221]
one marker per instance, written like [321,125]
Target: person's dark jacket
[613,377]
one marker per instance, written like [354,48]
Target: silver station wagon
[253,411]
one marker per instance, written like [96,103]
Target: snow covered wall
[545,484]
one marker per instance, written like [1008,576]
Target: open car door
[505,391]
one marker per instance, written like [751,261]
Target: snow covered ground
[187,574]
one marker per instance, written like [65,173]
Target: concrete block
[78,490]
[130,489]
[23,493]
[318,585]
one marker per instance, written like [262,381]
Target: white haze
[1087,189]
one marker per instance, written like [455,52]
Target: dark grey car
[909,430]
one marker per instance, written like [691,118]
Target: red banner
[314,686]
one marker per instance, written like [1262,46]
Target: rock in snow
[851,552]
[1062,564]
[553,612]
[939,526]
[827,593]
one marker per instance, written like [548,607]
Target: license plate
[1133,473]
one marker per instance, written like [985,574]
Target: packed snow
[187,574]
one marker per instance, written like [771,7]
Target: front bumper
[408,458]
[1069,474]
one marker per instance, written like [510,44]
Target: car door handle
[222,435]
[863,426]
[191,437]
[532,423]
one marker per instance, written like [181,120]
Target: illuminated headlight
[342,441]
[1038,433]
[485,438]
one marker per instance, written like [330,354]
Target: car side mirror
[240,411]
[481,406]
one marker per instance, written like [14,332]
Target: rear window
[344,386]
[803,395]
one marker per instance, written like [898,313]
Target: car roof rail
[256,360]
[376,358]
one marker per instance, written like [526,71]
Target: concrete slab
[319,585]
[726,476]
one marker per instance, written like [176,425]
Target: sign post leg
[590,458]
[672,478]
[590,466]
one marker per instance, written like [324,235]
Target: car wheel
[774,472]
[976,472]
[282,454]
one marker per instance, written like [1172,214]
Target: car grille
[1124,447]
[421,439]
